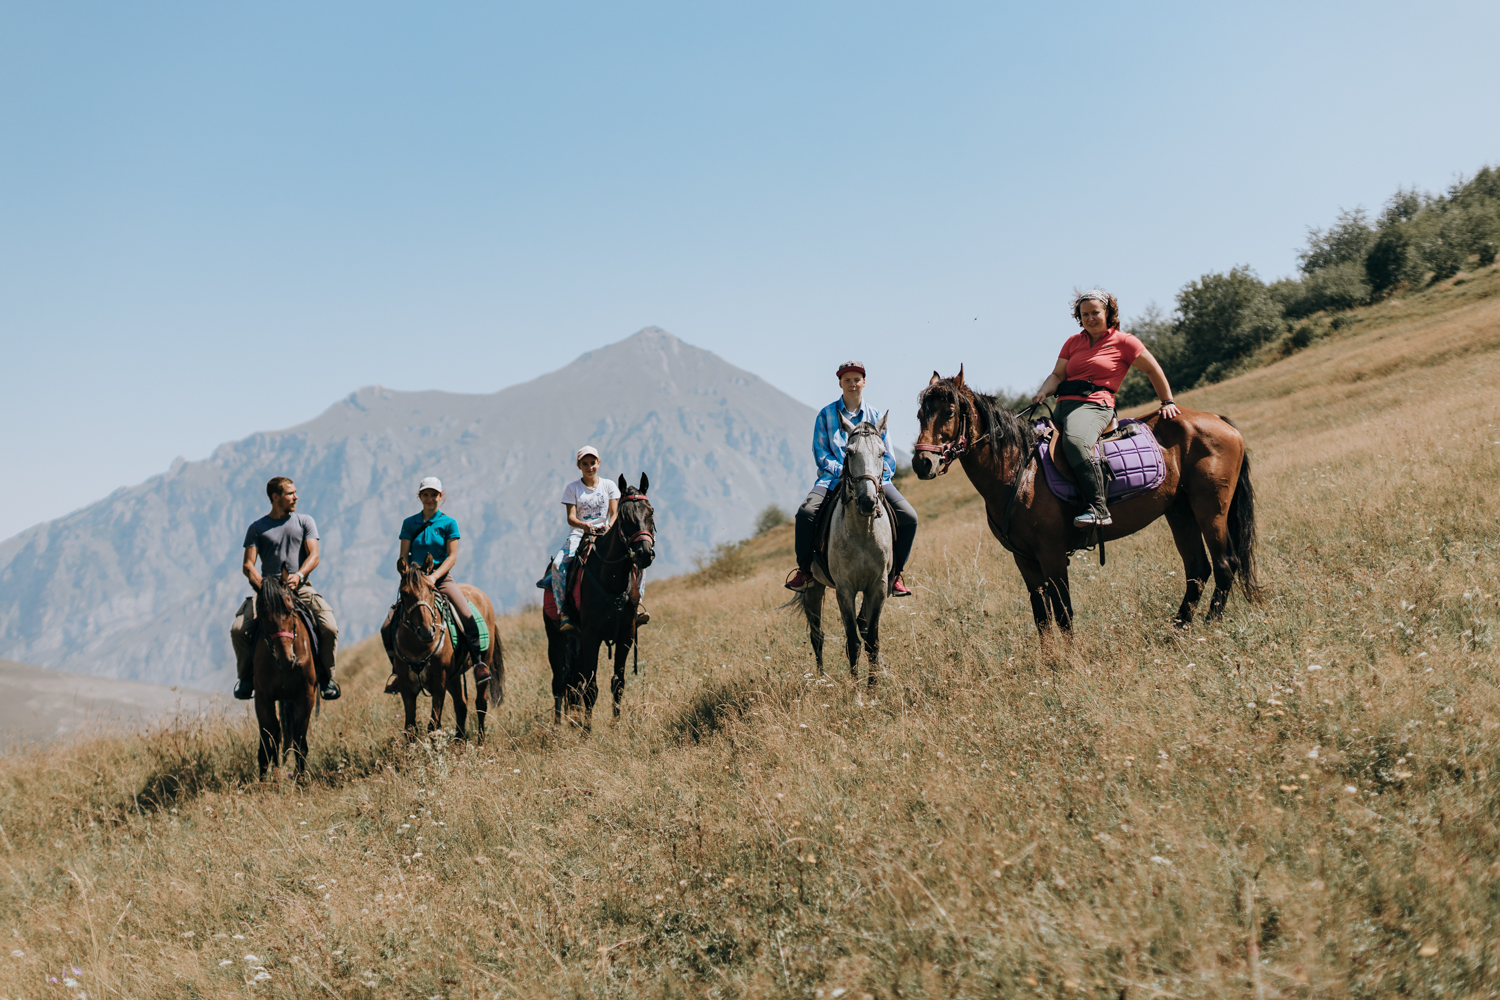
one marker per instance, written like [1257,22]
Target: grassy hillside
[1312,781]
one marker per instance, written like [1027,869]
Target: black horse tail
[1242,531]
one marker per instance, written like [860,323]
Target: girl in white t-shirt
[592,505]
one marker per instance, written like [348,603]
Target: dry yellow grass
[1312,779]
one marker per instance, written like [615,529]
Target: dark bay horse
[286,681]
[1206,496]
[609,598]
[426,658]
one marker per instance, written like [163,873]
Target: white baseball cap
[585,450]
[431,483]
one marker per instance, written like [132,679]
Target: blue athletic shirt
[429,538]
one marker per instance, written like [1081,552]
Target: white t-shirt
[591,506]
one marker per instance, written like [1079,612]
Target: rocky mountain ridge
[142,584]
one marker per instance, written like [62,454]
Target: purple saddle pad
[1136,461]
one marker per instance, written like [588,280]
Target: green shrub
[772,517]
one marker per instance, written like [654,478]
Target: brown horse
[285,677]
[426,658]
[1206,496]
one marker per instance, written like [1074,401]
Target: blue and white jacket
[830,441]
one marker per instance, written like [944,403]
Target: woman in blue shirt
[829,442]
[433,533]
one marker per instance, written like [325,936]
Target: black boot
[1091,487]
[244,689]
[327,686]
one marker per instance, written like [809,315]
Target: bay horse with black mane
[609,592]
[426,658]
[286,682]
[1205,496]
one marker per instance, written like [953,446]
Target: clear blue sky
[217,219]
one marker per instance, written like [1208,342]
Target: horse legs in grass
[409,703]
[617,681]
[851,629]
[460,706]
[812,607]
[1047,583]
[1195,564]
[297,716]
[1211,512]
[869,628]
[270,735]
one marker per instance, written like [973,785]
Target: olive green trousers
[1080,423]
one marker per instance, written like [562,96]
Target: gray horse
[860,543]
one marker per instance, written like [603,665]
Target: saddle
[1132,458]
[445,607]
[575,583]
[823,527]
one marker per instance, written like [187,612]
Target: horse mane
[415,577]
[1002,425]
[275,600]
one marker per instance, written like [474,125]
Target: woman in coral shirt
[1090,368]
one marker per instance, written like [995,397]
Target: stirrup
[565,624]
[1088,519]
[392,684]
[244,690]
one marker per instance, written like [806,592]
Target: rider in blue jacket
[829,443]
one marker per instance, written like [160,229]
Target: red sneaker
[799,581]
[898,587]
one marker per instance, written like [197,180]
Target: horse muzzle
[922,465]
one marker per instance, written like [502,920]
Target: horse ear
[845,424]
[283,573]
[958,379]
[644,482]
[883,418]
[401,566]
[427,564]
[936,378]
[622,484]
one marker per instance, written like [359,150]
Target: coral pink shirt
[1105,363]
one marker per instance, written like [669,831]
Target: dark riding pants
[807,525]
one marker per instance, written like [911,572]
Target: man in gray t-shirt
[283,540]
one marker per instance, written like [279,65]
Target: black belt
[1082,387]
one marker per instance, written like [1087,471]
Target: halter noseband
[632,539]
[950,450]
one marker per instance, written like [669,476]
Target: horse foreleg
[439,694]
[590,692]
[870,625]
[851,629]
[1195,564]
[812,608]
[481,707]
[617,681]
[409,702]
[460,707]
[1031,573]
[301,719]
[270,734]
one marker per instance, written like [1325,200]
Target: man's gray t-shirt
[281,541]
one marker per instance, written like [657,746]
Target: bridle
[849,489]
[619,526]
[951,450]
[438,632]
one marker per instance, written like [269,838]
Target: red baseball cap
[849,366]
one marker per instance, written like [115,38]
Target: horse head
[278,620]
[944,430]
[418,607]
[637,522]
[864,462]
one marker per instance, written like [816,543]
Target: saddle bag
[1081,387]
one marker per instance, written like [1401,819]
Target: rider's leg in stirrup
[560,568]
[388,639]
[244,650]
[804,538]
[328,638]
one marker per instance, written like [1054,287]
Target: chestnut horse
[285,678]
[1206,496]
[609,598]
[425,657]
